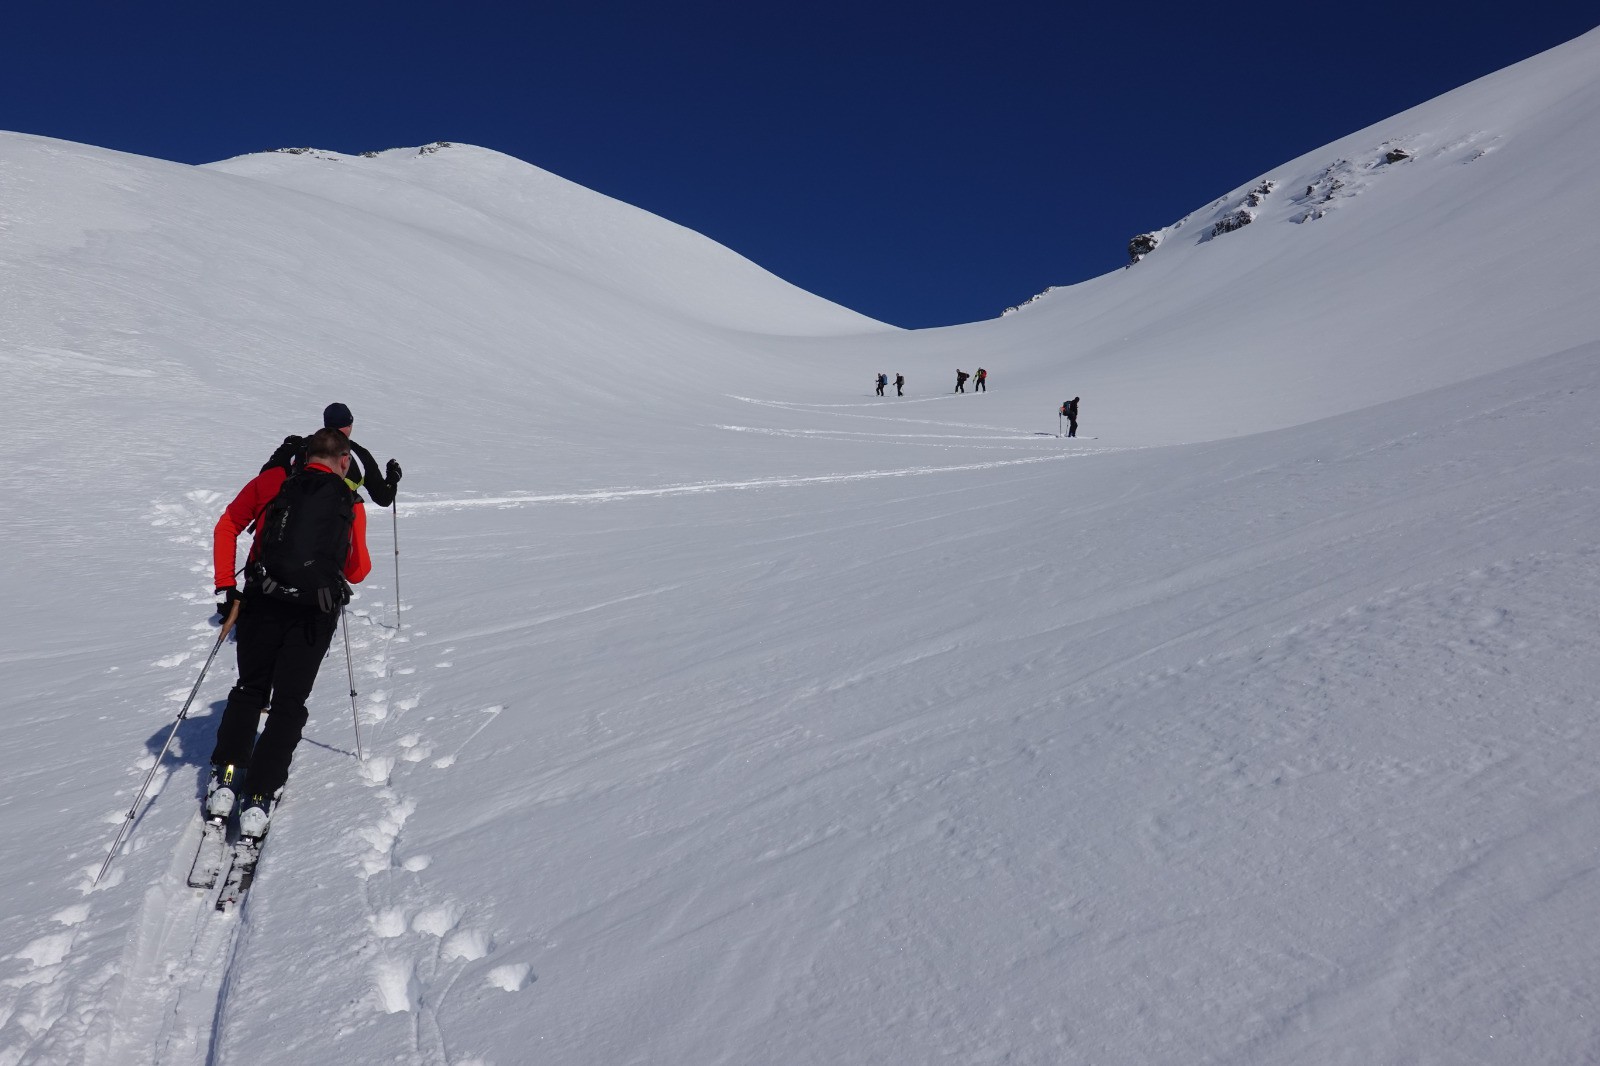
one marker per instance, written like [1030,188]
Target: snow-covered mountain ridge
[465,192]
[737,714]
[1459,256]
[1528,108]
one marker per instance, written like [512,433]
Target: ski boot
[221,792]
[254,815]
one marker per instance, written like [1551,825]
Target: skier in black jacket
[363,473]
[1070,411]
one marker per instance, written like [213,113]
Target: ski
[209,856]
[242,861]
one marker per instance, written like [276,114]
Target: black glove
[230,596]
[286,453]
[391,473]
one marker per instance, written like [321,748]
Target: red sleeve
[245,508]
[358,564]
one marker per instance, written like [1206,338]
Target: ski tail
[210,855]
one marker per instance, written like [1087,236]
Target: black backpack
[304,539]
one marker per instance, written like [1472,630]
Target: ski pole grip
[233,616]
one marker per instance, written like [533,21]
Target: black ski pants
[281,645]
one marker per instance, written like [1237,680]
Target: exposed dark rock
[1031,300]
[1235,220]
[1259,194]
[315,153]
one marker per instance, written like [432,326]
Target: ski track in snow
[981,440]
[602,495]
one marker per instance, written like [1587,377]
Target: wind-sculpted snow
[731,713]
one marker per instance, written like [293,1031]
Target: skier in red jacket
[285,622]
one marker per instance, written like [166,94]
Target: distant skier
[1069,411]
[363,473]
[883,379]
[961,379]
[979,379]
[310,528]
[899,384]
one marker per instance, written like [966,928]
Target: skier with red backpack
[310,541]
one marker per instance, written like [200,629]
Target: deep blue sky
[925,163]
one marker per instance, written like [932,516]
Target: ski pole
[227,625]
[395,515]
[350,671]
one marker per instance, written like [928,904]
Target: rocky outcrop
[1141,246]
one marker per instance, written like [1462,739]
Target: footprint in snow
[469,945]
[512,977]
[375,770]
[377,708]
[389,923]
[436,921]
[381,838]
[392,980]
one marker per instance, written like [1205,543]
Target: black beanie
[337,416]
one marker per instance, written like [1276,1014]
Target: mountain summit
[464,194]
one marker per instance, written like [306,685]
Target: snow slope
[1359,279]
[738,715]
